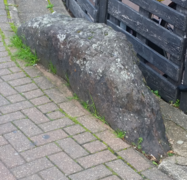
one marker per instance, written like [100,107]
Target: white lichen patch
[61,37]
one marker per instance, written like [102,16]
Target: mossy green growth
[119,133]
[52,68]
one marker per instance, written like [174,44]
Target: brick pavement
[38,141]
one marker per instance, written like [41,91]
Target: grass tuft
[119,133]
[52,68]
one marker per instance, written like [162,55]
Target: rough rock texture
[101,64]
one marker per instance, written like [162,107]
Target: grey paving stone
[5,173]
[52,174]
[5,59]
[3,19]
[32,71]
[135,159]
[7,65]
[26,88]
[13,76]
[15,98]
[76,129]
[95,146]
[33,94]
[49,107]
[2,141]
[15,69]
[19,141]
[10,157]
[4,72]
[40,152]
[49,137]
[40,100]
[19,82]
[15,107]
[2,11]
[2,48]
[28,127]
[65,163]
[56,95]
[72,148]
[11,117]
[123,170]
[95,159]
[43,83]
[115,143]
[114,177]
[5,26]
[84,137]
[6,90]
[31,168]
[6,128]
[55,115]
[56,124]
[5,53]
[35,115]
[3,101]
[92,173]
[154,173]
[91,123]
[33,177]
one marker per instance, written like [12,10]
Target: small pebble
[180,142]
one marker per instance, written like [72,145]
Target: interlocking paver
[135,159]
[49,137]
[15,69]
[11,117]
[92,173]
[5,173]
[84,137]
[15,98]
[28,127]
[76,129]
[13,76]
[6,128]
[40,100]
[95,146]
[2,48]
[123,170]
[4,53]
[43,83]
[31,168]
[3,101]
[33,177]
[6,90]
[49,107]
[65,163]
[52,174]
[2,141]
[40,152]
[7,65]
[32,71]
[10,157]
[35,115]
[4,72]
[33,94]
[19,82]
[72,148]
[26,88]
[111,178]
[19,141]
[55,115]
[56,124]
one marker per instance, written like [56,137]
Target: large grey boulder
[101,64]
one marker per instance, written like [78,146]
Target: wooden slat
[182,3]
[155,81]
[167,40]
[170,15]
[150,55]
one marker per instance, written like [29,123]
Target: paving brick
[43,83]
[111,178]
[19,141]
[35,115]
[10,157]
[95,146]
[92,173]
[6,90]
[33,94]
[15,98]
[49,137]
[11,117]
[7,65]
[65,163]
[52,174]
[28,127]
[40,100]
[15,107]
[2,11]
[5,53]
[32,71]
[49,107]
[91,123]
[55,115]
[6,128]
[33,177]
[95,159]
[2,48]
[5,173]
[3,101]
[123,170]
[56,124]
[73,109]
[72,148]
[2,141]
[154,173]
[56,95]
[115,143]
[76,129]
[135,159]
[15,69]
[13,76]
[4,71]
[19,82]
[26,88]
[31,168]
[84,137]
[40,152]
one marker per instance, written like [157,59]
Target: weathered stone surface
[101,67]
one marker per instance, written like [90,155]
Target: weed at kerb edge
[50,6]
[52,68]
[119,133]
[140,140]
